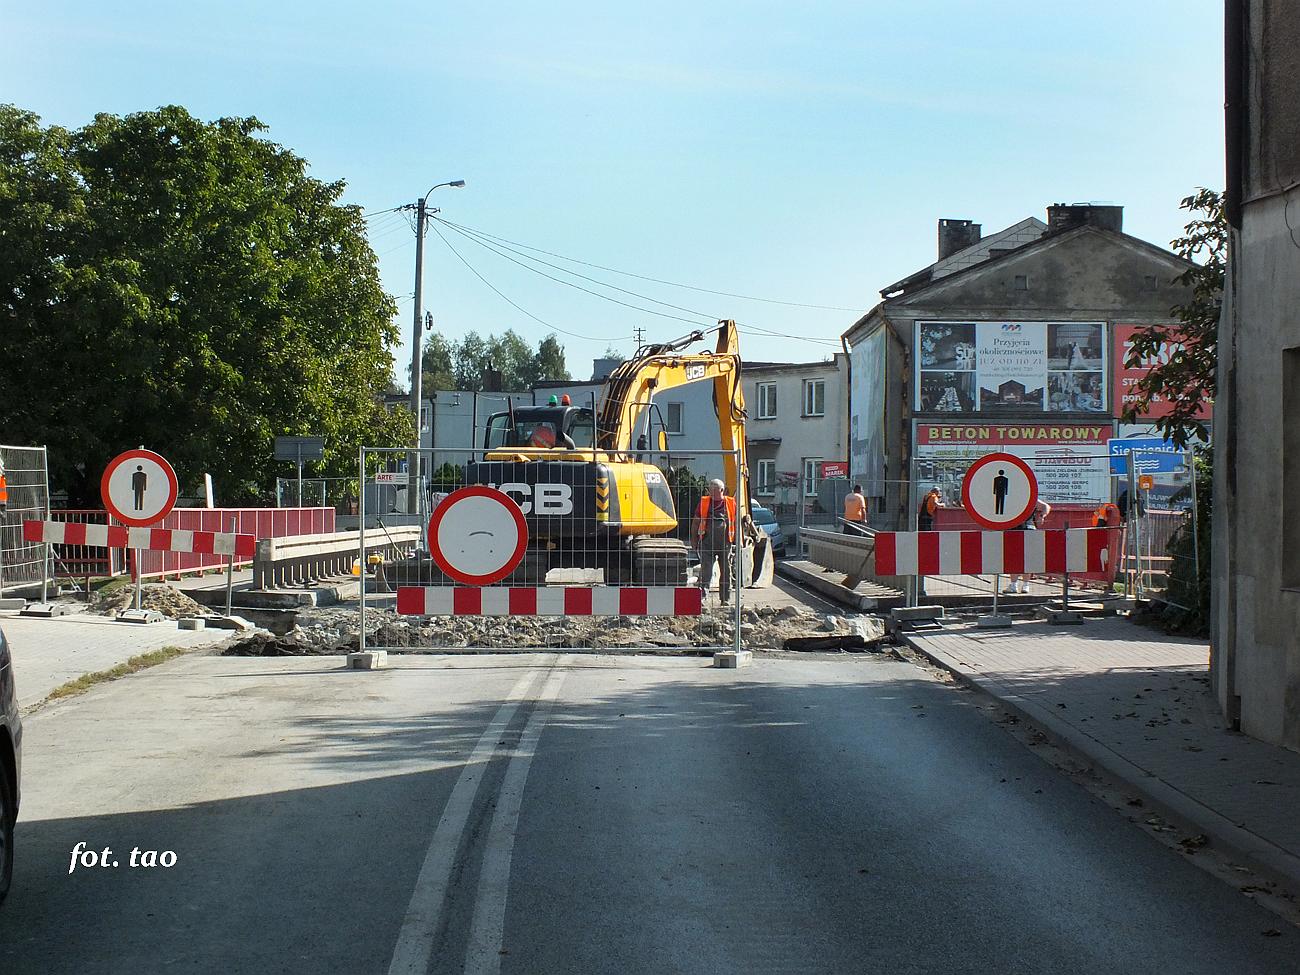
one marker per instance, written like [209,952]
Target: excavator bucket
[757,564]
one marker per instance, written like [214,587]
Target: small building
[1255,645]
[797,422]
[1008,342]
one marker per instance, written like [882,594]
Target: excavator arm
[659,367]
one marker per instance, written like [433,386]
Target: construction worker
[715,536]
[4,488]
[855,511]
[1106,516]
[931,503]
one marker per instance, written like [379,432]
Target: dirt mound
[169,601]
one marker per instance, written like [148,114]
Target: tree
[437,366]
[469,357]
[550,361]
[1186,380]
[185,285]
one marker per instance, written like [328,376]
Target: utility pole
[417,392]
[422,213]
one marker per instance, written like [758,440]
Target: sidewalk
[1138,705]
[50,652]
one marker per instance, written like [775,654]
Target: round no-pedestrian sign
[999,491]
[477,535]
[139,488]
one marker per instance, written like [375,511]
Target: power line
[500,294]
[578,287]
[474,236]
[643,277]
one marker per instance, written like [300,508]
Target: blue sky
[801,152]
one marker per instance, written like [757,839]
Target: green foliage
[1186,381]
[187,286]
[500,362]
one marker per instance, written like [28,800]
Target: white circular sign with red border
[477,535]
[139,488]
[999,491]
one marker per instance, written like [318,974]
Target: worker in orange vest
[715,537]
[1106,516]
[4,489]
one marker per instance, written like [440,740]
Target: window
[424,419]
[766,478]
[812,467]
[674,419]
[767,401]
[1022,282]
[814,397]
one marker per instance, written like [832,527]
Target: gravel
[334,630]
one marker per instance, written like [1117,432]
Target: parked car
[765,520]
[11,763]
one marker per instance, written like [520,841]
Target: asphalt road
[548,814]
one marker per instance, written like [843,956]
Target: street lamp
[417,331]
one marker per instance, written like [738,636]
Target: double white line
[415,941]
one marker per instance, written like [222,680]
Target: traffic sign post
[139,489]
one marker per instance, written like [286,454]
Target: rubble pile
[168,600]
[335,631]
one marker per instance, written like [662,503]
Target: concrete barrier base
[368,660]
[140,616]
[46,610]
[731,659]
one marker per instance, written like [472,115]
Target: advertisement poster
[867,413]
[1070,460]
[1011,363]
[1010,367]
[1126,379]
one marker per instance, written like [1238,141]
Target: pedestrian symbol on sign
[1000,491]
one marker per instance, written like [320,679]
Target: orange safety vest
[703,515]
[1106,516]
[4,493]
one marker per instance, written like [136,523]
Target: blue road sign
[1154,455]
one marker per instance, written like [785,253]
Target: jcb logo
[694,372]
[551,499]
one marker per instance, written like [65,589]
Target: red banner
[1126,379]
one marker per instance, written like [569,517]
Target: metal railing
[23,563]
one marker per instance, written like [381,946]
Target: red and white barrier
[980,553]
[549,601]
[150,539]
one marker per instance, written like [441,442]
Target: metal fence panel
[613,561]
[23,563]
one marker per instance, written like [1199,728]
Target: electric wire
[578,287]
[475,235]
[511,302]
[644,277]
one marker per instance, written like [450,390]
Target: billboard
[1070,460]
[1126,379]
[1006,367]
[867,412]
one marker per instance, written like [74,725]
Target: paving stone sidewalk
[1139,705]
[50,652]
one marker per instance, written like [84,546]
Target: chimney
[957,235]
[1063,216]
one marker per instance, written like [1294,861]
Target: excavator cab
[541,427]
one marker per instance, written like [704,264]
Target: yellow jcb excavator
[582,481]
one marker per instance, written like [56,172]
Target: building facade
[797,423]
[1255,648]
[1005,343]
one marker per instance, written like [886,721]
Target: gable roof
[1018,234]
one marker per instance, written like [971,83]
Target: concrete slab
[368,660]
[732,659]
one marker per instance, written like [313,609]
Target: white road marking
[420,926]
[487,930]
